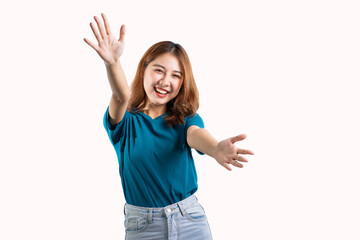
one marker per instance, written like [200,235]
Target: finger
[237,164]
[244,151]
[238,138]
[122,33]
[101,29]
[240,158]
[227,166]
[107,24]
[93,45]
[96,33]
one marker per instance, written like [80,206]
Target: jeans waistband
[162,211]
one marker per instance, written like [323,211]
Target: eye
[177,76]
[158,70]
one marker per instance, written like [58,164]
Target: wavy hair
[185,103]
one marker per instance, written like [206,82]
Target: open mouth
[161,91]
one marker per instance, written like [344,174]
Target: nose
[165,80]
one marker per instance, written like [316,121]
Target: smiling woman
[164,82]
[161,92]
[153,128]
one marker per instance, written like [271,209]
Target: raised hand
[109,48]
[227,153]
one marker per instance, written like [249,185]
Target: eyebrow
[158,65]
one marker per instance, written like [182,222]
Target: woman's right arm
[121,93]
[110,50]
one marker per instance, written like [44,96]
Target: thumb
[122,33]
[238,138]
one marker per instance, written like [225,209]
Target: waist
[162,211]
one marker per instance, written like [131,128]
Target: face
[162,80]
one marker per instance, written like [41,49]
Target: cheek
[147,82]
[180,83]
[153,75]
[177,86]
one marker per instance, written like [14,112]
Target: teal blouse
[156,165]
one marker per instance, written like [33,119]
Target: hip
[182,220]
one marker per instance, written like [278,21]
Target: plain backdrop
[286,73]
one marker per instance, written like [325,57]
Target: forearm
[117,80]
[202,141]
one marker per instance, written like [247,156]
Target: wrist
[113,63]
[214,150]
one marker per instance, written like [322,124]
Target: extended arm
[225,152]
[201,140]
[110,50]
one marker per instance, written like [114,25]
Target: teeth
[160,91]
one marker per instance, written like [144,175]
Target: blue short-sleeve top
[156,165]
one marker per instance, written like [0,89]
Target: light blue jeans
[182,220]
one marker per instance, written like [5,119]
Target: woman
[153,130]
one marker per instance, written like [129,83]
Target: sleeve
[115,132]
[194,120]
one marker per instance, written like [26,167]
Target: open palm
[108,47]
[227,153]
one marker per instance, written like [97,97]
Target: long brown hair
[185,103]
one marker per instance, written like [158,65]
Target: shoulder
[194,115]
[194,119]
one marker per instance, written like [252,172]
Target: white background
[285,73]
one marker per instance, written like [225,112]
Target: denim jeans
[182,220]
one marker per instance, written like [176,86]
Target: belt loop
[149,217]
[183,212]
[124,209]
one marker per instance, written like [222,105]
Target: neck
[154,111]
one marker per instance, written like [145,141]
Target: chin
[156,102]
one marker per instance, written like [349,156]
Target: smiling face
[162,80]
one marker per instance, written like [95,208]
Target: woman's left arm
[225,152]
